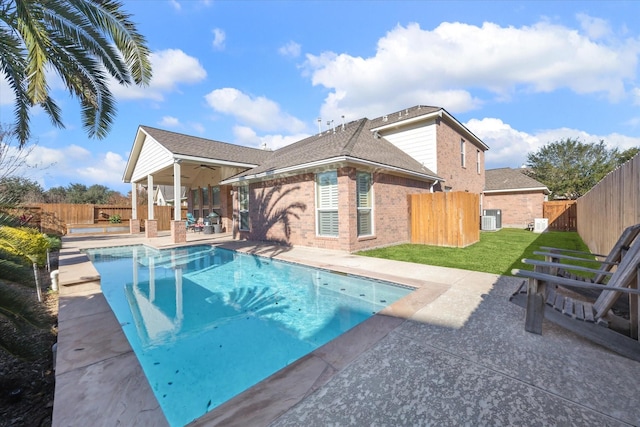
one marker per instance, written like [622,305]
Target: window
[478,161]
[463,160]
[363,200]
[205,196]
[243,206]
[216,197]
[195,197]
[327,203]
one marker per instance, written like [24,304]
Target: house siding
[418,141]
[153,157]
[518,209]
[284,211]
[458,178]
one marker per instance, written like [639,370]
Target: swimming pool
[208,323]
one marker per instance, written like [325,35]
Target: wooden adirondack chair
[545,299]
[605,265]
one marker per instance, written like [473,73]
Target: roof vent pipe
[319,125]
[343,122]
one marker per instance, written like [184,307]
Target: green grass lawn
[496,252]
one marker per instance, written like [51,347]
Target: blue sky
[518,74]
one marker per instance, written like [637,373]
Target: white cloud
[176,5]
[258,112]
[442,66]
[219,37]
[171,68]
[595,28]
[246,136]
[509,147]
[168,121]
[291,49]
[71,164]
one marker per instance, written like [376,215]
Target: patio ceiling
[195,174]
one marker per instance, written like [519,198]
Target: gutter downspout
[433,185]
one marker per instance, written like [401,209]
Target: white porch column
[134,222]
[134,200]
[150,197]
[178,227]
[177,187]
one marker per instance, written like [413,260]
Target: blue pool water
[208,323]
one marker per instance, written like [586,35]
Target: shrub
[25,242]
[115,219]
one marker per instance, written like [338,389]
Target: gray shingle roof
[356,141]
[504,179]
[187,145]
[407,113]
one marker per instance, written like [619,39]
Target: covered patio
[166,158]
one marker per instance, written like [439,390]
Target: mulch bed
[28,330]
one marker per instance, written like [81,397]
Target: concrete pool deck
[453,352]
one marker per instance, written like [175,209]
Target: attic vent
[385,118]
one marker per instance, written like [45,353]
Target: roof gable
[422,112]
[193,146]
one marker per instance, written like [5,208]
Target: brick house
[345,188]
[518,196]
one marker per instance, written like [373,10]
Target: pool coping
[463,357]
[95,360]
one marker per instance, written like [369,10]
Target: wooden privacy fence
[562,215]
[55,218]
[445,219]
[611,206]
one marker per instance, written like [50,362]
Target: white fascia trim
[517,190]
[466,131]
[213,161]
[325,162]
[408,121]
[439,113]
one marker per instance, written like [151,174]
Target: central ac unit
[540,225]
[489,223]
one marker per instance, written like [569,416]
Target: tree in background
[21,190]
[56,195]
[570,168]
[84,42]
[118,199]
[79,193]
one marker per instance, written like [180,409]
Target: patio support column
[150,197]
[151,225]
[178,227]
[134,222]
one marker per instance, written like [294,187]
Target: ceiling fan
[205,166]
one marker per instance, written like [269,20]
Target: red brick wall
[283,210]
[518,209]
[449,162]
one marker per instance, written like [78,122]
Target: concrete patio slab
[452,352]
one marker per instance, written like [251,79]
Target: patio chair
[620,248]
[546,298]
[199,225]
[191,221]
